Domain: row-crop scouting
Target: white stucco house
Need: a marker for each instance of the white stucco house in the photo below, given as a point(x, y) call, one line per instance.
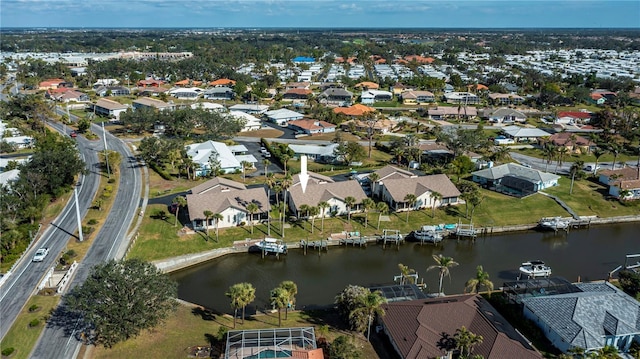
point(282, 116)
point(211, 154)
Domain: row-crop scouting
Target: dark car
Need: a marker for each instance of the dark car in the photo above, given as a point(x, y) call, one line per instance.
point(73, 134)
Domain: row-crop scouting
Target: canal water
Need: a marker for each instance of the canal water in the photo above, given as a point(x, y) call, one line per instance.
point(584, 254)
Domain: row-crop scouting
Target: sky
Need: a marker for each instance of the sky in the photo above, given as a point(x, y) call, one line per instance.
point(321, 13)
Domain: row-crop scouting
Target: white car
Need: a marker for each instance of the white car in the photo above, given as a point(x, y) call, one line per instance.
point(40, 254)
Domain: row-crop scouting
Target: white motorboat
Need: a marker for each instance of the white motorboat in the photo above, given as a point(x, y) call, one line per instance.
point(554, 223)
point(272, 245)
point(534, 269)
point(428, 234)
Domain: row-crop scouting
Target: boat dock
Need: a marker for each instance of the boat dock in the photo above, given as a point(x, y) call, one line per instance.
point(392, 236)
point(321, 245)
point(466, 231)
point(349, 238)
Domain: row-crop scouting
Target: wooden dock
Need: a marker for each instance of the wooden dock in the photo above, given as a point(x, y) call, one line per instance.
point(392, 236)
point(321, 245)
point(466, 231)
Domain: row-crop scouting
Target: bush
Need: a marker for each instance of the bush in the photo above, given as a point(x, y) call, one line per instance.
point(33, 308)
point(71, 253)
point(161, 172)
point(111, 180)
point(92, 222)
point(34, 323)
point(8, 351)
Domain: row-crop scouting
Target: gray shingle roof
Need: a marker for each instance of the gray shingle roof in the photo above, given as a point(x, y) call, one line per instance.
point(316, 193)
point(584, 318)
point(514, 169)
point(399, 188)
point(217, 202)
point(217, 184)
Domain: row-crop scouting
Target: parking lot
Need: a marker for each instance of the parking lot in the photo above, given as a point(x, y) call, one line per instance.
point(254, 149)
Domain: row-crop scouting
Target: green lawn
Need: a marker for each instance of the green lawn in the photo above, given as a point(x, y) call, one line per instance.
point(21, 336)
point(194, 326)
point(501, 210)
point(589, 198)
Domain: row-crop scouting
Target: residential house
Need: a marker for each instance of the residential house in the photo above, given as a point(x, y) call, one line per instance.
point(251, 123)
point(417, 97)
point(385, 173)
point(525, 134)
point(572, 142)
point(221, 93)
point(9, 177)
point(222, 83)
point(380, 125)
point(209, 106)
point(505, 115)
point(448, 88)
point(597, 315)
point(188, 82)
point(355, 110)
point(151, 103)
point(186, 93)
point(227, 198)
point(419, 59)
point(66, 95)
point(253, 109)
point(105, 83)
point(514, 179)
point(635, 95)
point(296, 94)
point(502, 99)
point(394, 191)
point(282, 116)
point(151, 91)
point(373, 96)
point(466, 98)
point(108, 108)
point(624, 183)
point(324, 189)
point(112, 91)
point(601, 97)
point(210, 154)
point(317, 153)
point(399, 88)
point(311, 127)
point(336, 96)
point(573, 117)
point(444, 112)
point(149, 83)
point(424, 328)
point(297, 85)
point(241, 153)
point(51, 84)
point(366, 85)
point(19, 142)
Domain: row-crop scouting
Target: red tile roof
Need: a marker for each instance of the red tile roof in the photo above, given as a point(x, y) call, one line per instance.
point(355, 110)
point(419, 59)
point(574, 114)
point(367, 84)
point(298, 91)
point(222, 82)
point(311, 125)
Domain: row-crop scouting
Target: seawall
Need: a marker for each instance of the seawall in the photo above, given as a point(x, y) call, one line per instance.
point(188, 260)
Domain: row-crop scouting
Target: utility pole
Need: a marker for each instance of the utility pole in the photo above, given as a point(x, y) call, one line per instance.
point(106, 156)
point(75, 194)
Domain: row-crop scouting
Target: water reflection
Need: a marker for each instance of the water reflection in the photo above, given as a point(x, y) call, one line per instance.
point(588, 253)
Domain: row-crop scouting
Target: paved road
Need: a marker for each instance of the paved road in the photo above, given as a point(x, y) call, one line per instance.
point(60, 337)
point(541, 164)
point(26, 275)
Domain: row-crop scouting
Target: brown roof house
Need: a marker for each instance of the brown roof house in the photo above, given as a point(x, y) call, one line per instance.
point(228, 198)
point(624, 183)
point(425, 188)
point(323, 189)
point(387, 173)
point(572, 142)
point(311, 127)
point(424, 329)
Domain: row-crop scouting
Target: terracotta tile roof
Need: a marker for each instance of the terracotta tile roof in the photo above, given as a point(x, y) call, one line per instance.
point(399, 188)
point(217, 184)
point(217, 202)
point(416, 327)
point(51, 82)
point(625, 174)
point(419, 59)
point(299, 91)
point(574, 114)
point(355, 110)
point(150, 82)
point(308, 354)
point(222, 82)
point(367, 84)
point(564, 139)
point(630, 184)
point(478, 87)
point(310, 125)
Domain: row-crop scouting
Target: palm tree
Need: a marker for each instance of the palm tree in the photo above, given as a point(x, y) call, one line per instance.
point(615, 148)
point(575, 170)
point(218, 217)
point(382, 208)
point(411, 200)
point(285, 158)
point(435, 197)
point(373, 179)
point(480, 280)
point(266, 164)
point(465, 340)
point(597, 153)
point(270, 180)
point(292, 290)
point(367, 205)
point(606, 352)
point(406, 274)
point(370, 304)
point(241, 294)
point(252, 208)
point(207, 216)
point(562, 151)
point(245, 166)
point(281, 208)
point(279, 298)
point(313, 212)
point(323, 207)
point(549, 153)
point(349, 202)
point(285, 183)
point(443, 265)
point(179, 202)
